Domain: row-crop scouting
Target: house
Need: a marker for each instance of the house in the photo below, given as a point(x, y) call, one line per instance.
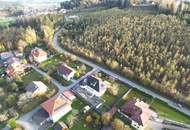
point(37, 88)
point(18, 54)
point(69, 95)
point(16, 68)
point(66, 72)
point(60, 126)
point(57, 107)
point(94, 85)
point(38, 55)
point(12, 60)
point(138, 111)
point(6, 55)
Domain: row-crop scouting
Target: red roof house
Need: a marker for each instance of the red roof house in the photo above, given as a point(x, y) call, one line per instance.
point(38, 55)
point(57, 107)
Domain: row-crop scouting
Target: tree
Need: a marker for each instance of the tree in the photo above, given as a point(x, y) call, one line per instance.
point(48, 33)
point(10, 100)
point(88, 119)
point(29, 36)
point(21, 45)
point(13, 87)
point(106, 118)
point(118, 124)
point(12, 123)
point(113, 90)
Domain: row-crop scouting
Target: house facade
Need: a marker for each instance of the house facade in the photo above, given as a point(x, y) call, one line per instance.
point(6, 55)
point(94, 85)
point(38, 55)
point(66, 72)
point(16, 68)
point(138, 111)
point(36, 88)
point(57, 107)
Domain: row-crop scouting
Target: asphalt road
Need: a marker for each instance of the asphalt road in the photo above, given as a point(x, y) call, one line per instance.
point(26, 119)
point(123, 79)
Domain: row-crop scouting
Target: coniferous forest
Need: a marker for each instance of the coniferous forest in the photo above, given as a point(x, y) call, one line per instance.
point(153, 50)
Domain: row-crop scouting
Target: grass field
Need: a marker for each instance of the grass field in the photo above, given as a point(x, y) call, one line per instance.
point(5, 22)
point(31, 76)
point(165, 111)
point(109, 99)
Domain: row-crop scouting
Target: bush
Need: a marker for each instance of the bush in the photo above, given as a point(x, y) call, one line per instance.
point(106, 118)
point(12, 123)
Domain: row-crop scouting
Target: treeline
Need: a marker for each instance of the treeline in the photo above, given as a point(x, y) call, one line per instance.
point(27, 31)
point(153, 50)
point(162, 6)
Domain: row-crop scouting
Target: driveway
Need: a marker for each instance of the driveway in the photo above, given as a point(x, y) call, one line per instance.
point(27, 122)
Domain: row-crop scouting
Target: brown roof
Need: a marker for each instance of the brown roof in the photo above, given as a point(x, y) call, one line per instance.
point(56, 104)
point(64, 69)
point(137, 111)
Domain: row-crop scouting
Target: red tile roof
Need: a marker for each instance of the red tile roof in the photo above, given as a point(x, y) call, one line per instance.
point(38, 52)
point(56, 104)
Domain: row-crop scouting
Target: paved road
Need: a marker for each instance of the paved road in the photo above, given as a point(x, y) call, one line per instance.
point(158, 126)
point(123, 79)
point(25, 120)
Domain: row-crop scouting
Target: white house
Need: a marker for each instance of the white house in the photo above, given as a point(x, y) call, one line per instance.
point(94, 85)
point(37, 88)
point(38, 55)
point(57, 107)
point(66, 72)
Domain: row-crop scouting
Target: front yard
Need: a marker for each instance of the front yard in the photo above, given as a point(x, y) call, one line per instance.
point(14, 99)
point(50, 66)
point(110, 99)
point(76, 119)
point(162, 109)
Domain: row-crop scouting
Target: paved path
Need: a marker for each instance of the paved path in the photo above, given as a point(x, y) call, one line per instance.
point(158, 126)
point(123, 79)
point(26, 119)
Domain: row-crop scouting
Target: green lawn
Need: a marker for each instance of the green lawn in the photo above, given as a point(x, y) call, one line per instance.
point(109, 99)
point(77, 104)
point(6, 22)
point(138, 94)
point(165, 111)
point(31, 76)
point(50, 63)
point(54, 62)
point(60, 79)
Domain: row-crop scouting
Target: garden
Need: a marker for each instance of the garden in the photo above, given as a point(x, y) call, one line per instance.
point(14, 99)
point(163, 110)
point(50, 66)
point(78, 120)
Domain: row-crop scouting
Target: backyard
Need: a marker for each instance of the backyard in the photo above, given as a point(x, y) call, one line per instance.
point(163, 110)
point(110, 99)
point(50, 66)
point(76, 118)
point(12, 95)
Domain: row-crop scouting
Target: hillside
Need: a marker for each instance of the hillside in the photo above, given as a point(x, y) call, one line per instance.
point(150, 49)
